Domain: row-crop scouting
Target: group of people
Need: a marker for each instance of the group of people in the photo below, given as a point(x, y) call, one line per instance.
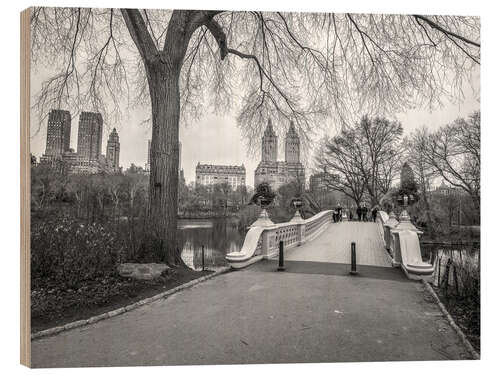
point(337, 214)
point(361, 212)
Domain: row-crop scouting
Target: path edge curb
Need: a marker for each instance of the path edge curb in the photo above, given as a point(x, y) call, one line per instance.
point(94, 319)
point(458, 330)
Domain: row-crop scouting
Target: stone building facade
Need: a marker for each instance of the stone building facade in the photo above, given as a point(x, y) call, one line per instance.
point(90, 135)
point(113, 150)
point(58, 132)
point(317, 182)
point(82, 165)
point(210, 174)
point(278, 173)
point(447, 190)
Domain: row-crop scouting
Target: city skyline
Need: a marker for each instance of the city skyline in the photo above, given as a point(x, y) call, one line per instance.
point(134, 139)
point(88, 157)
point(199, 135)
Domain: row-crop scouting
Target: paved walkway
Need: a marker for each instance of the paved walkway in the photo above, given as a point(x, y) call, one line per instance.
point(334, 245)
point(312, 312)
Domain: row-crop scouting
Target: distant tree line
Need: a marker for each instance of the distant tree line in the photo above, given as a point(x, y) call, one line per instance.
point(452, 154)
point(218, 200)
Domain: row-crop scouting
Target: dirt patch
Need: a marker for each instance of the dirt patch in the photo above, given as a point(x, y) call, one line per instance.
point(53, 306)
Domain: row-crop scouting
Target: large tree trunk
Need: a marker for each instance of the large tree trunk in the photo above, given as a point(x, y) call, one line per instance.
point(163, 73)
point(163, 69)
point(164, 174)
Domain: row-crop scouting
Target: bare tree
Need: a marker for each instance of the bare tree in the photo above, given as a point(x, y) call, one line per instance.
point(454, 153)
point(415, 146)
point(379, 140)
point(78, 189)
point(283, 65)
point(363, 158)
point(114, 188)
point(341, 159)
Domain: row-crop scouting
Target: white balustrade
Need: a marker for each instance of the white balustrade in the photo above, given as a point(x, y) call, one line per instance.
point(401, 239)
point(262, 242)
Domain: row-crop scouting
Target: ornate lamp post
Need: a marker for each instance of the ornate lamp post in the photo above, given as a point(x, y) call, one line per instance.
point(263, 197)
point(407, 195)
point(297, 204)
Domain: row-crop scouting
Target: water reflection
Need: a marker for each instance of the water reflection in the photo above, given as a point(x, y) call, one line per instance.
point(218, 236)
point(455, 251)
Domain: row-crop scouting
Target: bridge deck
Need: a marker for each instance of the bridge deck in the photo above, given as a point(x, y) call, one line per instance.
point(334, 245)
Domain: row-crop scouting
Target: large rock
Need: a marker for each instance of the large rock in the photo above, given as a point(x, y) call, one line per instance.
point(141, 271)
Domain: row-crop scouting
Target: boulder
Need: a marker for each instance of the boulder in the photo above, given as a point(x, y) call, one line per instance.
point(141, 271)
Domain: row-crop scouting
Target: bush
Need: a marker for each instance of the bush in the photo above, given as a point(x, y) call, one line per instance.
point(68, 252)
point(460, 290)
point(468, 276)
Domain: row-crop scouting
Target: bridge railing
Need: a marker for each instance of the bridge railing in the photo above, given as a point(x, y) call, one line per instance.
point(262, 242)
point(402, 243)
point(385, 225)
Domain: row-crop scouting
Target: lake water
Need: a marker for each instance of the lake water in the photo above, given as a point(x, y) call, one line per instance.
point(221, 236)
point(469, 251)
point(218, 237)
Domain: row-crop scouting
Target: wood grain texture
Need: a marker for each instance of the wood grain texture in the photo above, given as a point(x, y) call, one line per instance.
point(25, 188)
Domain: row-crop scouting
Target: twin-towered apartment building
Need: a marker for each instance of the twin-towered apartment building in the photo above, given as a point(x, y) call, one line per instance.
point(270, 170)
point(88, 157)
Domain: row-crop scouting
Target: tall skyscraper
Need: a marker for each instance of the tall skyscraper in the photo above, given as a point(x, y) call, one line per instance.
point(113, 150)
point(90, 135)
point(269, 144)
point(292, 145)
point(58, 132)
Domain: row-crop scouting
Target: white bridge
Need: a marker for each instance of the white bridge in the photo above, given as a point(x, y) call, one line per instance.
point(262, 242)
point(384, 243)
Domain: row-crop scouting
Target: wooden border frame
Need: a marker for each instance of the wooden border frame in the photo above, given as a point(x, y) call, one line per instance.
point(25, 169)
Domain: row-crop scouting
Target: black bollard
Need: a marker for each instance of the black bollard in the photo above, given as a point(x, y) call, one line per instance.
point(353, 259)
point(203, 257)
point(281, 260)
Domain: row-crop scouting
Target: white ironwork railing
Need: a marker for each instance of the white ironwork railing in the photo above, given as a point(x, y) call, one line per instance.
point(263, 241)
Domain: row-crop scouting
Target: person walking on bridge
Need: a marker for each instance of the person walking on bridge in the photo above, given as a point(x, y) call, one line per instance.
point(359, 212)
point(374, 213)
point(364, 212)
point(339, 212)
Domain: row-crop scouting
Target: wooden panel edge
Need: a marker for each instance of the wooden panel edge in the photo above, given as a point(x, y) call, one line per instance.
point(25, 169)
